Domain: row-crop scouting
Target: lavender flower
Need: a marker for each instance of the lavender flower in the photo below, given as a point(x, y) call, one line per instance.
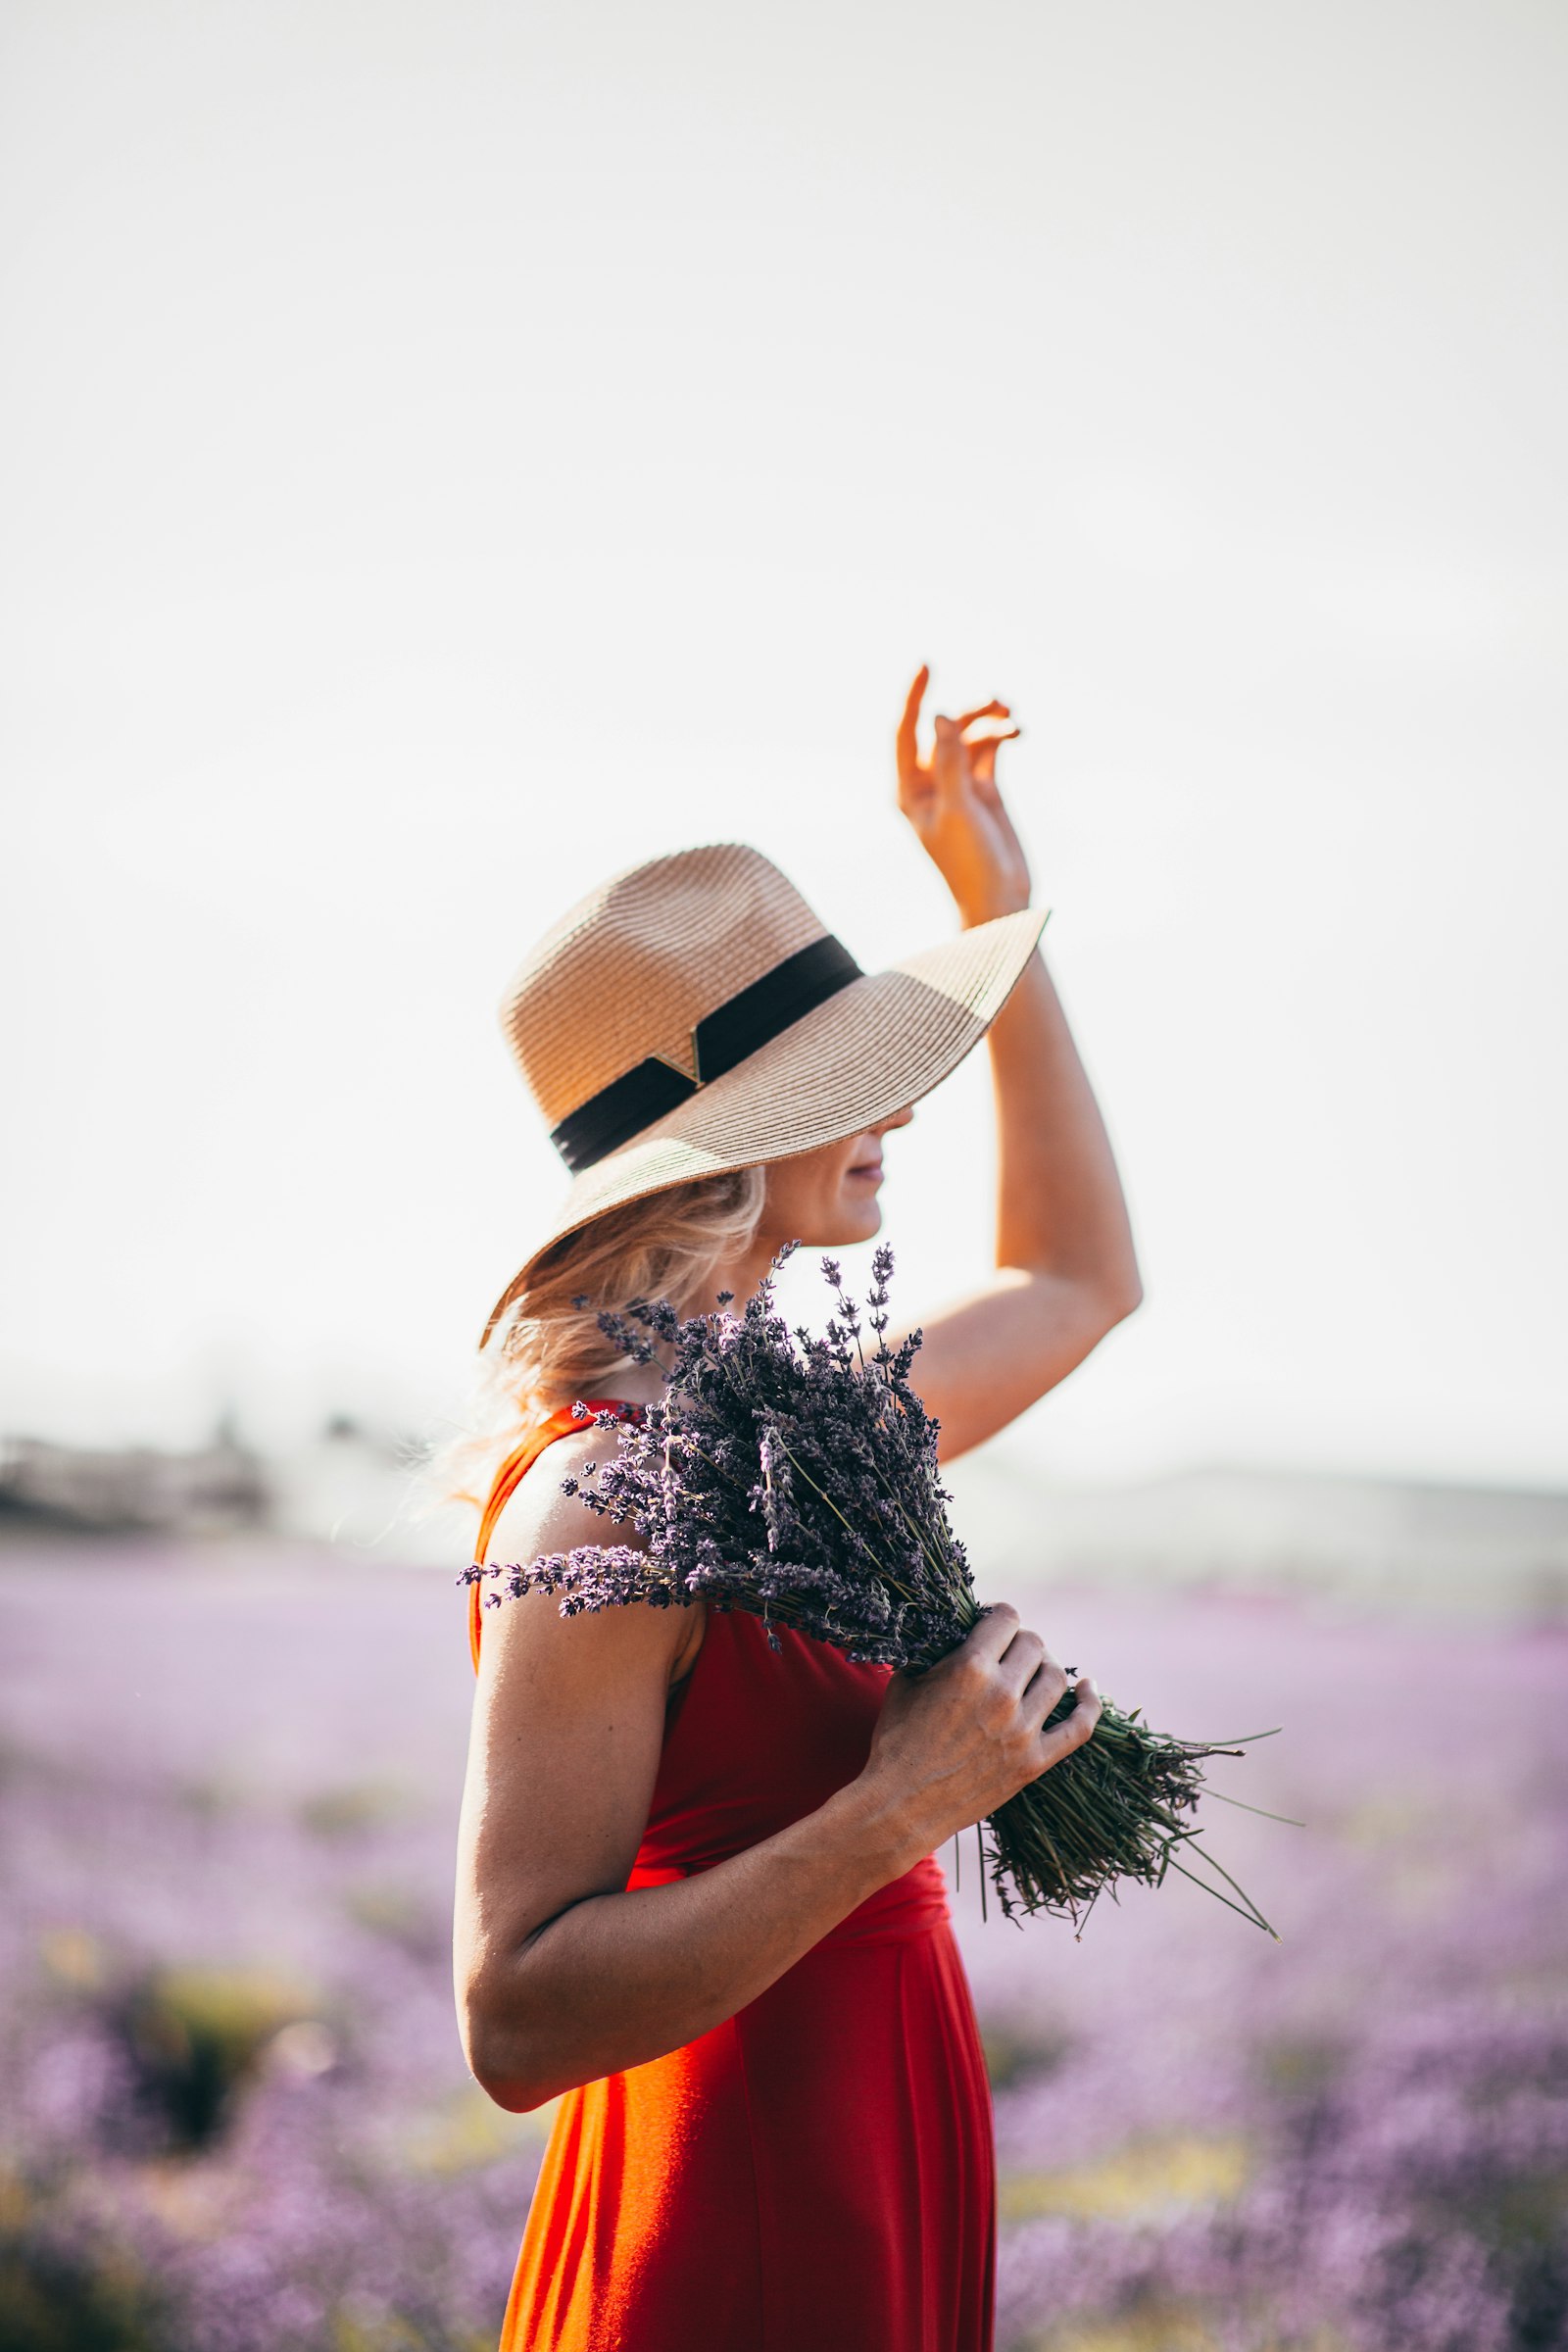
point(796, 1478)
point(1358, 2138)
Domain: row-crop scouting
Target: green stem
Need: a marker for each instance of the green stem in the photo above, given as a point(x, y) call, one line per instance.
point(1204, 1856)
point(1256, 1917)
point(1289, 1818)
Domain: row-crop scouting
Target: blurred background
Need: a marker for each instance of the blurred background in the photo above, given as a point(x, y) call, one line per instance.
point(451, 454)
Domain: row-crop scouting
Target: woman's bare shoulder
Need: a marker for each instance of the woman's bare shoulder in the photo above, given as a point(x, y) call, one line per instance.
point(538, 1523)
point(540, 1519)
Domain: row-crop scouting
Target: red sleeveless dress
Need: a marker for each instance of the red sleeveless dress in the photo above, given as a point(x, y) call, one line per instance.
point(817, 2175)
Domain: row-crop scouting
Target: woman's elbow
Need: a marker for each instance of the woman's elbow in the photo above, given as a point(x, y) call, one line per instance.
point(1122, 1299)
point(1105, 1299)
point(501, 2052)
point(516, 2098)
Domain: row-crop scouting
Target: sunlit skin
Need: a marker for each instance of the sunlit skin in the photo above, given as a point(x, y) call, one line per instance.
point(561, 1976)
point(830, 1197)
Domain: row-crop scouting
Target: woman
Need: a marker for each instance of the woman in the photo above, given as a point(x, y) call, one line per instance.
point(697, 1902)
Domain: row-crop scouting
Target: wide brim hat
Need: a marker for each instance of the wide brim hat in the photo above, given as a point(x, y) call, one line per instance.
point(693, 1016)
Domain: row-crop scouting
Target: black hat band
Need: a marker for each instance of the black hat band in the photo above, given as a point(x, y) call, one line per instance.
point(721, 1039)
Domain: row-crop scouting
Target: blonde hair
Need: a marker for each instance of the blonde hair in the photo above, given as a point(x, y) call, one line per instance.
point(547, 1350)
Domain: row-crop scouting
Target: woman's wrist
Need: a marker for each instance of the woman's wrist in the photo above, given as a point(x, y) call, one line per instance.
point(884, 1823)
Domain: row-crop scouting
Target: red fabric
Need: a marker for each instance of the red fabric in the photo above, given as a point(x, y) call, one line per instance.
point(817, 2175)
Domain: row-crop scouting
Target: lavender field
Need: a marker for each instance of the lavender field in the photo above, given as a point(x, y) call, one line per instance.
point(234, 2117)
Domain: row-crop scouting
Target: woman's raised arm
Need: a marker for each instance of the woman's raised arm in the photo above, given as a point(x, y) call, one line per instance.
point(1066, 1269)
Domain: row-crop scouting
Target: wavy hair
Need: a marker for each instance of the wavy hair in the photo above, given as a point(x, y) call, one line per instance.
point(547, 1350)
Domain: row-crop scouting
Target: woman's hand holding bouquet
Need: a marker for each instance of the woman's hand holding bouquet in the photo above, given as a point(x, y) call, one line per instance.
point(956, 1743)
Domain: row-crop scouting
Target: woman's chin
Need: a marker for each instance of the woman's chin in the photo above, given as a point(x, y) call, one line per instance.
point(857, 1221)
point(850, 1222)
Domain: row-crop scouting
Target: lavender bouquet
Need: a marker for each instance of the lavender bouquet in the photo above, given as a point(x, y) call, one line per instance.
point(796, 1478)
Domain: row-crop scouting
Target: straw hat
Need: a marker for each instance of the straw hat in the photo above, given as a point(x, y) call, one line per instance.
point(693, 1016)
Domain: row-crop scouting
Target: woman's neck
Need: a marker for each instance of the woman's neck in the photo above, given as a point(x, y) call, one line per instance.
point(743, 1276)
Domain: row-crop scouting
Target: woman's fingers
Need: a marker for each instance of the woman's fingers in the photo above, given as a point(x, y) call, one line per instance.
point(970, 1733)
point(983, 755)
point(950, 760)
point(1074, 1730)
point(1024, 1660)
point(999, 1622)
point(991, 710)
point(953, 756)
point(1019, 1657)
point(1043, 1689)
point(908, 735)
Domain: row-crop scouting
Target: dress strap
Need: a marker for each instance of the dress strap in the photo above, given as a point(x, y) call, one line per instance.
point(509, 1477)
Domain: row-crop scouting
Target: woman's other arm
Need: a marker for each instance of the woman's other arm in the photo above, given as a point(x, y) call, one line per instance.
point(1066, 1269)
point(562, 1975)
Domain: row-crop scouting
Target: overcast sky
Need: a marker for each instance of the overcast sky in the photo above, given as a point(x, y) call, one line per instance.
point(451, 452)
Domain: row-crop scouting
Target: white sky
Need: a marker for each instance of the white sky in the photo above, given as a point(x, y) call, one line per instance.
point(450, 452)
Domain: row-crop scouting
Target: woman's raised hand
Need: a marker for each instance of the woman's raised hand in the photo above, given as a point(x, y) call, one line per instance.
point(952, 800)
point(956, 1742)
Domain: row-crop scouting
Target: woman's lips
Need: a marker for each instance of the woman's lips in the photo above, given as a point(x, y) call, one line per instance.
point(869, 1171)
